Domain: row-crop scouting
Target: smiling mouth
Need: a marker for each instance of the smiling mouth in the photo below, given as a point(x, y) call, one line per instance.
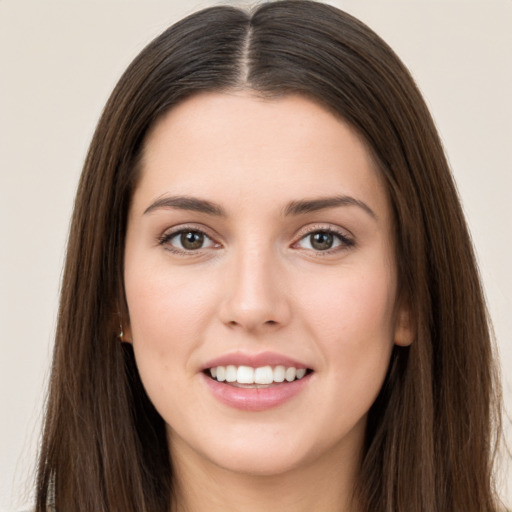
point(263, 376)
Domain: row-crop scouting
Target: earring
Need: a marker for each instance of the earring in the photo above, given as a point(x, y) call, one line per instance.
point(121, 332)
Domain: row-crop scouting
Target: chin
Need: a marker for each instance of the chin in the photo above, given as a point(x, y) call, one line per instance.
point(262, 464)
point(247, 451)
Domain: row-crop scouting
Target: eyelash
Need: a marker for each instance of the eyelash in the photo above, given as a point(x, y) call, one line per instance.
point(345, 241)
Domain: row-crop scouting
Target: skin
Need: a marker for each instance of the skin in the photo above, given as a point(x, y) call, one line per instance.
point(258, 284)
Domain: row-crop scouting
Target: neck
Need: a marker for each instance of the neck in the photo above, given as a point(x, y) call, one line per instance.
point(321, 485)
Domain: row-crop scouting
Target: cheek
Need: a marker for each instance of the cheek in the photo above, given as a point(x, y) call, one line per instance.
point(168, 309)
point(169, 315)
point(352, 320)
point(350, 306)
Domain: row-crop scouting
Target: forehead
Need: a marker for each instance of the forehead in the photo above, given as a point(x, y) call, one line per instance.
point(237, 145)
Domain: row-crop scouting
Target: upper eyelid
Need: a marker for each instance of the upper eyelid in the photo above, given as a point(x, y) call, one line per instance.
point(172, 231)
point(305, 231)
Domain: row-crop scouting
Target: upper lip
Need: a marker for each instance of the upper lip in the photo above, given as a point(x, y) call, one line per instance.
point(254, 360)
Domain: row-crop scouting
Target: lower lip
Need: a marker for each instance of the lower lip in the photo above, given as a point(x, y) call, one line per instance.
point(255, 399)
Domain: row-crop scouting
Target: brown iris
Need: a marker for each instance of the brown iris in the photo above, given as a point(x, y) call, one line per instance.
point(321, 240)
point(192, 240)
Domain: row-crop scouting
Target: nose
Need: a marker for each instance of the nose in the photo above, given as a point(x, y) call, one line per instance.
point(256, 296)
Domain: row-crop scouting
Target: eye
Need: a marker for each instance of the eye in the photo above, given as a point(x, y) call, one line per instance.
point(324, 240)
point(187, 240)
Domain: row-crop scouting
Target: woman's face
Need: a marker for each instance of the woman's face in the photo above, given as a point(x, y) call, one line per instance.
point(260, 241)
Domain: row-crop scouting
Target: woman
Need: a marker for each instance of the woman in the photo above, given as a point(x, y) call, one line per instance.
point(270, 298)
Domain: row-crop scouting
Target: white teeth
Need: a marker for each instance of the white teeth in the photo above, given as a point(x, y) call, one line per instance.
point(221, 373)
point(290, 374)
point(260, 375)
point(263, 375)
point(230, 373)
point(245, 375)
point(279, 373)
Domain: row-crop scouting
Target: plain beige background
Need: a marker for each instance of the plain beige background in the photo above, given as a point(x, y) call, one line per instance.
point(60, 60)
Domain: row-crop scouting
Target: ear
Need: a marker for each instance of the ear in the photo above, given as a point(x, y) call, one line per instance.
point(125, 330)
point(405, 331)
point(125, 334)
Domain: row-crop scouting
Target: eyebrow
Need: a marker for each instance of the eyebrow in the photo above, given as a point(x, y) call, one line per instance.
point(322, 203)
point(292, 209)
point(187, 203)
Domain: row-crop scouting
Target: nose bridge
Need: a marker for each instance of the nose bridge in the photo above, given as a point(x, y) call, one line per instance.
point(256, 294)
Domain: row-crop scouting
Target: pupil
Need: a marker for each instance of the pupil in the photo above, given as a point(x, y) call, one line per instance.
point(321, 241)
point(192, 240)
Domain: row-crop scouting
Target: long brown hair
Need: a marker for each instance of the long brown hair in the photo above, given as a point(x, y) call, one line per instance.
point(430, 433)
